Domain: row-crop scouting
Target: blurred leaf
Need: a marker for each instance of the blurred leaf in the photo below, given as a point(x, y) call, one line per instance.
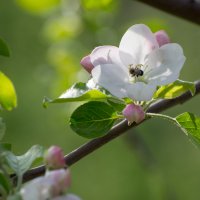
point(8, 98)
point(5, 183)
point(38, 6)
point(190, 124)
point(2, 128)
point(156, 24)
point(174, 89)
point(93, 119)
point(4, 51)
point(63, 27)
point(20, 164)
point(5, 147)
point(97, 5)
point(78, 92)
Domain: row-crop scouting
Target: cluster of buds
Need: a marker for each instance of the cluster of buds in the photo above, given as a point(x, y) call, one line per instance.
point(54, 184)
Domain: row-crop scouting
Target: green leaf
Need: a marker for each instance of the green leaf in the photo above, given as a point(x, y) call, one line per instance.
point(93, 119)
point(98, 5)
point(20, 164)
point(2, 128)
point(190, 124)
point(4, 51)
point(117, 105)
point(78, 92)
point(8, 98)
point(174, 89)
point(5, 183)
point(38, 6)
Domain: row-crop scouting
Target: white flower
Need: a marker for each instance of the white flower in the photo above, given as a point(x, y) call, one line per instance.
point(138, 66)
point(53, 184)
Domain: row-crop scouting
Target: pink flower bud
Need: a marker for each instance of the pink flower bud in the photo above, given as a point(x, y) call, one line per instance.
point(162, 38)
point(54, 158)
point(87, 64)
point(133, 113)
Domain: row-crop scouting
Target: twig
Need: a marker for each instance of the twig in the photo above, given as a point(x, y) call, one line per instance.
point(116, 131)
point(187, 9)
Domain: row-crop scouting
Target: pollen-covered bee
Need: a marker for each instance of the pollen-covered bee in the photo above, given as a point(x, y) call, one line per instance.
point(135, 70)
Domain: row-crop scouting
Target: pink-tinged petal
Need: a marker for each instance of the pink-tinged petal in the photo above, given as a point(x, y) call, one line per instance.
point(112, 77)
point(162, 37)
point(164, 64)
point(60, 180)
point(140, 91)
point(137, 42)
point(54, 183)
point(133, 113)
point(105, 55)
point(87, 64)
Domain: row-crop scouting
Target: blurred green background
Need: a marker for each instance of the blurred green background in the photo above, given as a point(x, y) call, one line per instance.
point(47, 39)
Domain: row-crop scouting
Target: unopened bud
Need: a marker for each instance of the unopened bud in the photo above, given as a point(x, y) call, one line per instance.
point(162, 38)
point(133, 113)
point(54, 158)
point(87, 64)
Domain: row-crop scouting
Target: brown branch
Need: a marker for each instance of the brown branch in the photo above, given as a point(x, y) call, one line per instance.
point(187, 9)
point(116, 131)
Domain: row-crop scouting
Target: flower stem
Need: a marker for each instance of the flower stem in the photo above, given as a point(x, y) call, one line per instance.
point(19, 182)
point(148, 104)
point(161, 116)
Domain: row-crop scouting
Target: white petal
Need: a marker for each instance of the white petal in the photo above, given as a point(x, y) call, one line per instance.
point(164, 64)
point(137, 42)
point(112, 78)
point(38, 188)
point(140, 91)
point(91, 84)
point(105, 55)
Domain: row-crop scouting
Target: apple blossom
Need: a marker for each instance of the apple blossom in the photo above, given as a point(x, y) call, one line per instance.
point(99, 54)
point(138, 66)
point(133, 113)
point(53, 184)
point(54, 158)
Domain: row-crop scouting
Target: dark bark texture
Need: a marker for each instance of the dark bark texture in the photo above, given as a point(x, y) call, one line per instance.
point(186, 9)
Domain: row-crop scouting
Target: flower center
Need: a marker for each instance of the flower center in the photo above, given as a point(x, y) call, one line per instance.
point(135, 71)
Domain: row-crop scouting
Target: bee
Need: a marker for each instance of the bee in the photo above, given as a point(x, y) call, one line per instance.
point(135, 70)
